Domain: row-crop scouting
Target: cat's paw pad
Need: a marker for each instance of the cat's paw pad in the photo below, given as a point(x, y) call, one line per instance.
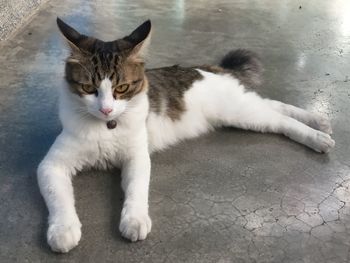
point(323, 124)
point(324, 142)
point(134, 226)
point(63, 238)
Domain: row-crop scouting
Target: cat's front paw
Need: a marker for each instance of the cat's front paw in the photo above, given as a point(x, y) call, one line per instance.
point(63, 238)
point(135, 225)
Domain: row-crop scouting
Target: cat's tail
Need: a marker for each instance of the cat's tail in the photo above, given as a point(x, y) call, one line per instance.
point(245, 65)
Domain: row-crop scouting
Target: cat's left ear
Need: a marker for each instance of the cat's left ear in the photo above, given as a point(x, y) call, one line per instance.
point(78, 42)
point(140, 39)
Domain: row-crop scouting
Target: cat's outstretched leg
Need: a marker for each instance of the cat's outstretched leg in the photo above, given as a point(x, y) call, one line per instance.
point(314, 120)
point(264, 119)
point(54, 178)
point(135, 223)
point(299, 132)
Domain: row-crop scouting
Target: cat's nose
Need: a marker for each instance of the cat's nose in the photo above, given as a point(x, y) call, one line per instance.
point(106, 111)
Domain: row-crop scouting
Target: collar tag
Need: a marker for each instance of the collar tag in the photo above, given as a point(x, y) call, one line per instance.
point(111, 124)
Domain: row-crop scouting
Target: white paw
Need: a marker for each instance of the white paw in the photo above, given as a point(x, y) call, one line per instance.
point(63, 238)
point(323, 124)
point(135, 226)
point(323, 142)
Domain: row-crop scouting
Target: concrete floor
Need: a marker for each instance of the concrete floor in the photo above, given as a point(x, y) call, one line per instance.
point(15, 13)
point(229, 196)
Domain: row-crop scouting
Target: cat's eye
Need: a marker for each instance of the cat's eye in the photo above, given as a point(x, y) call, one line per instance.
point(122, 88)
point(89, 89)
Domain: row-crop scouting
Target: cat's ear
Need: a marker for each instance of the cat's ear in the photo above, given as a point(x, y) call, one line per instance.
point(76, 41)
point(140, 39)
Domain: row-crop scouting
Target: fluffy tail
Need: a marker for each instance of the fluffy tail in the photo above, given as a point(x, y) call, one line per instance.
point(245, 65)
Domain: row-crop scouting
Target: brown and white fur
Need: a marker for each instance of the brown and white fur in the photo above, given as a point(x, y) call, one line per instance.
point(153, 109)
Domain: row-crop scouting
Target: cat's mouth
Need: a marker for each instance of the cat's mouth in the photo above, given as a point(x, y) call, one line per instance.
point(102, 117)
point(110, 119)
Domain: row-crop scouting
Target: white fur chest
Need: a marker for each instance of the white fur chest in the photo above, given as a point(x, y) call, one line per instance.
point(111, 147)
point(97, 145)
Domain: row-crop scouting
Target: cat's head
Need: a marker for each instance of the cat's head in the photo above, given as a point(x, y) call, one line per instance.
point(105, 76)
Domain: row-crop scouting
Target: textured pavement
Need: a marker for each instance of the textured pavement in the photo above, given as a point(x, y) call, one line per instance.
point(15, 13)
point(229, 196)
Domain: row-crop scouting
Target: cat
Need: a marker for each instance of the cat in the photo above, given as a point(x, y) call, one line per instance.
point(115, 113)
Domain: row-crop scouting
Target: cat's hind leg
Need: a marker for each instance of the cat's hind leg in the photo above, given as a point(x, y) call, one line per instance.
point(314, 120)
point(258, 116)
point(229, 104)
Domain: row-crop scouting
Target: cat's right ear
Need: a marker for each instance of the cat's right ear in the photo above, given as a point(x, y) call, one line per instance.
point(72, 36)
point(140, 39)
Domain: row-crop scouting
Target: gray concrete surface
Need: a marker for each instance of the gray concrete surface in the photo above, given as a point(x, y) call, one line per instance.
point(229, 196)
point(14, 13)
